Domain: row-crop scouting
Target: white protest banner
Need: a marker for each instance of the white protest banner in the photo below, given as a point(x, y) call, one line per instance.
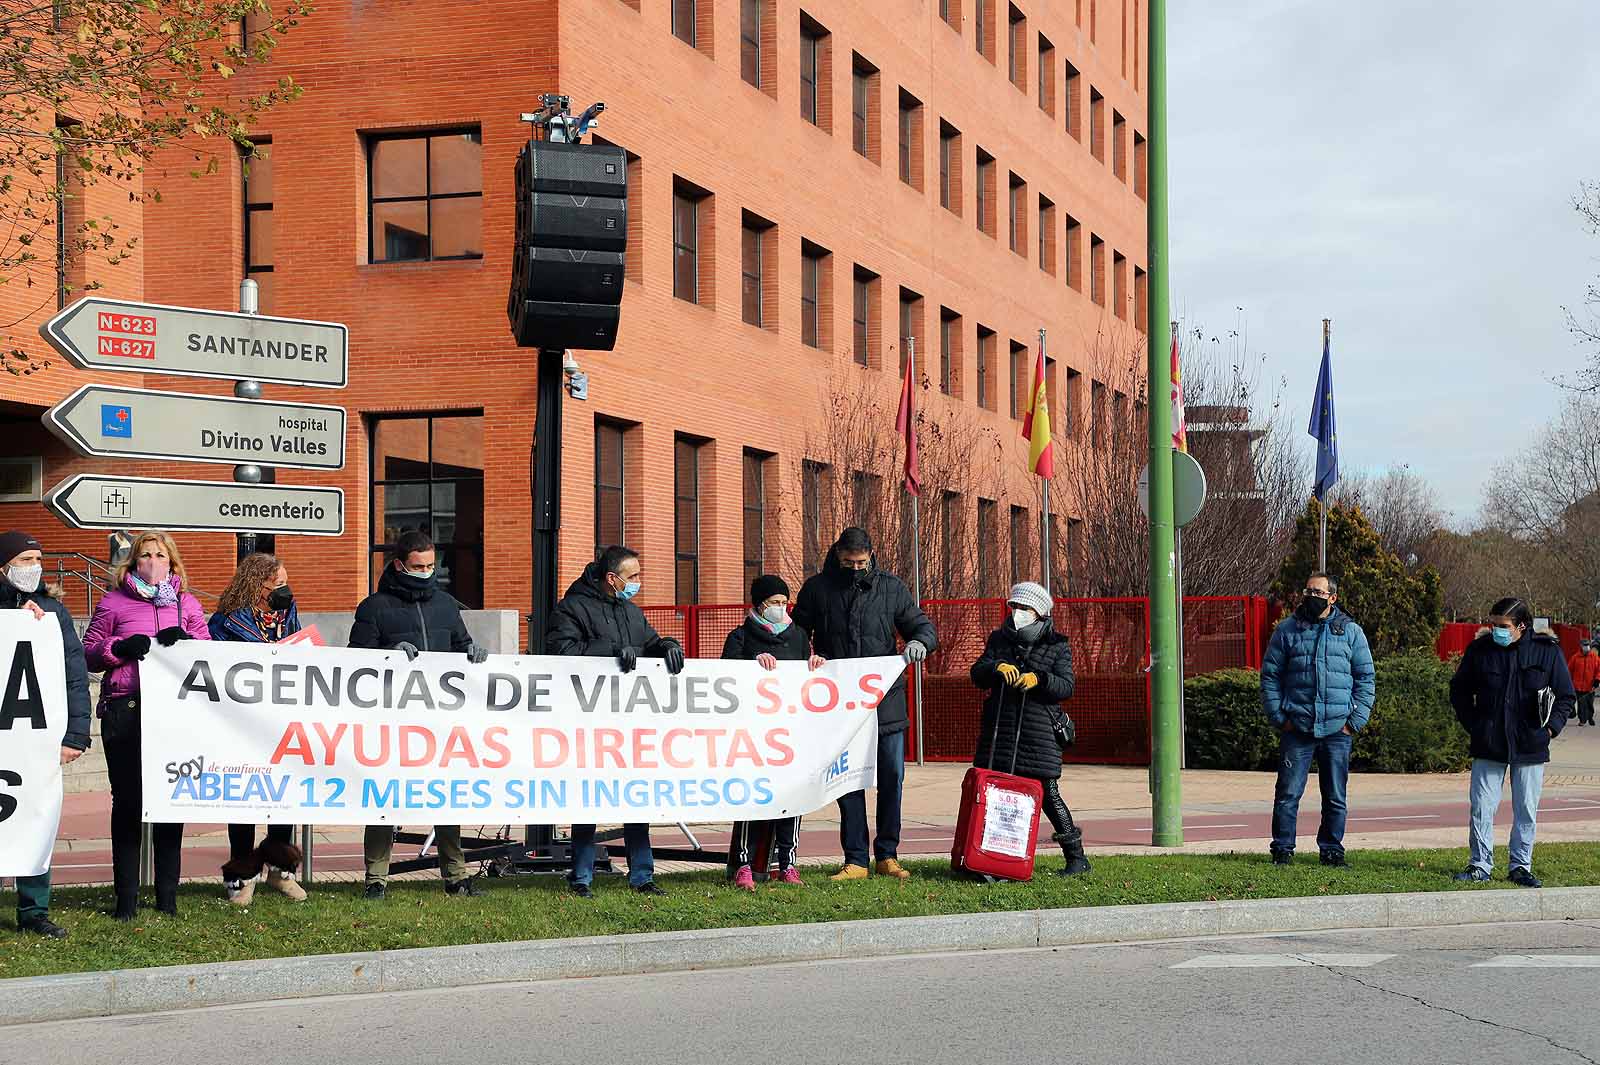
point(284, 733)
point(33, 721)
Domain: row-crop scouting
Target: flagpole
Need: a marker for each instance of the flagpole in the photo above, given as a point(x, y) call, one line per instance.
point(1044, 488)
point(1322, 504)
point(916, 552)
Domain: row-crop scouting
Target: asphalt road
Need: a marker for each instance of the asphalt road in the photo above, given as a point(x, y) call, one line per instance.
point(1515, 992)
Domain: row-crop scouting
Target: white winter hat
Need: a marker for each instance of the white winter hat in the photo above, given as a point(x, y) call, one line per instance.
point(1033, 596)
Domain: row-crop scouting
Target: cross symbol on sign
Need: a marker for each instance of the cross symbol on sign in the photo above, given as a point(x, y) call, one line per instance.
point(116, 500)
point(122, 414)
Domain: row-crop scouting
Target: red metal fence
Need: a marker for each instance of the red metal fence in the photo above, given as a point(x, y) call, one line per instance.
point(1110, 648)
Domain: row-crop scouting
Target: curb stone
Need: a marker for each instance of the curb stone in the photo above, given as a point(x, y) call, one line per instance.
point(126, 991)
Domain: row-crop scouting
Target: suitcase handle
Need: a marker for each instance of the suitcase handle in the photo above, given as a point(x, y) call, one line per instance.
point(1016, 741)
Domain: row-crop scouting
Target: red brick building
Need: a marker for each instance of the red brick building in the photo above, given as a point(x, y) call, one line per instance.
point(809, 182)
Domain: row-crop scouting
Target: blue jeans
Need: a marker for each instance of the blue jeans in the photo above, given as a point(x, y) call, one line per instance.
point(1527, 781)
point(1333, 770)
point(853, 807)
point(636, 838)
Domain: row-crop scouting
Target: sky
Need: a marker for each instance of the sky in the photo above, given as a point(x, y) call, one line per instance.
point(1406, 168)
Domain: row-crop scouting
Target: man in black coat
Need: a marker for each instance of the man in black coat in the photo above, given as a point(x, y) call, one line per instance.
point(410, 614)
point(854, 610)
point(598, 618)
point(21, 579)
point(1496, 696)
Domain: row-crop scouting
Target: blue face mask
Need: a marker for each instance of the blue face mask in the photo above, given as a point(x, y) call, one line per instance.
point(629, 590)
point(1501, 636)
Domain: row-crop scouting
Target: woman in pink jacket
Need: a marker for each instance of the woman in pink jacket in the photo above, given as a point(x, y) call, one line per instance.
point(147, 604)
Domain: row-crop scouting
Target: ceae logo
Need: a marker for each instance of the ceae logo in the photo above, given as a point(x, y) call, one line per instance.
point(192, 768)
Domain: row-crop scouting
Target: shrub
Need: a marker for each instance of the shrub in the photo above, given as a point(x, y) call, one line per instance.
point(1412, 728)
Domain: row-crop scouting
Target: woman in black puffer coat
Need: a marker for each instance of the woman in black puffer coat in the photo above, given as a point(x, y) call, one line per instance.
point(1027, 668)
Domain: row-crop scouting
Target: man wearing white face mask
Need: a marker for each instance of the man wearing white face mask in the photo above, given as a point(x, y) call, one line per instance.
point(20, 589)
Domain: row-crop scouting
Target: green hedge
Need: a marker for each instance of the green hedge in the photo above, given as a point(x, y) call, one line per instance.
point(1412, 729)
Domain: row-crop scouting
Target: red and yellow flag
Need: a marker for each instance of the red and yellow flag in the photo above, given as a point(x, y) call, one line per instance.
point(1036, 425)
point(1180, 429)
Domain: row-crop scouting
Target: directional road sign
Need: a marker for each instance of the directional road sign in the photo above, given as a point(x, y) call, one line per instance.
point(134, 423)
point(103, 501)
point(104, 334)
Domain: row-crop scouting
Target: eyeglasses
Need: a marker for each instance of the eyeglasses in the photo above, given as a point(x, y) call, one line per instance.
point(1317, 591)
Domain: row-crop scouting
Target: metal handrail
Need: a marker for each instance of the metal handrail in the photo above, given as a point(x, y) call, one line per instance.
point(98, 577)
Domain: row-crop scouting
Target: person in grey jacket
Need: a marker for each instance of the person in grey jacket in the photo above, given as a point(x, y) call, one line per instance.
point(21, 588)
point(1317, 690)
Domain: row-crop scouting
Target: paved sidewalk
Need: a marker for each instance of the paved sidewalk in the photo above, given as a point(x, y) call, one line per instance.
point(1222, 812)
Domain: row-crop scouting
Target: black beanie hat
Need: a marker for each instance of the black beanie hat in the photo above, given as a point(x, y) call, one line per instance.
point(15, 543)
point(765, 587)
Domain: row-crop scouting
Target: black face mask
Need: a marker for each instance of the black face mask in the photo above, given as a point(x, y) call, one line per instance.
point(1312, 607)
point(280, 599)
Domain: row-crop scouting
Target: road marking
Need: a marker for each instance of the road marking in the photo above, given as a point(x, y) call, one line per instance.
point(1398, 817)
point(1197, 828)
point(1541, 961)
point(1282, 961)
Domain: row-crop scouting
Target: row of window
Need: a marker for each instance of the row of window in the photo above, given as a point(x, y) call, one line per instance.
point(612, 477)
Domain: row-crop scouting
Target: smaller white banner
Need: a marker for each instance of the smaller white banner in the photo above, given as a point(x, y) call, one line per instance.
point(33, 721)
point(1007, 821)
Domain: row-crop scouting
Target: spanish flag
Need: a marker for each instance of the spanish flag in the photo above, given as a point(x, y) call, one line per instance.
point(1036, 425)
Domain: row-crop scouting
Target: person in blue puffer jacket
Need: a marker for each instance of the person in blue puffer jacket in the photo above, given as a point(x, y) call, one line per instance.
point(1317, 690)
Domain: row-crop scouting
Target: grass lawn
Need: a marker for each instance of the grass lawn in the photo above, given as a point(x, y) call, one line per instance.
point(418, 914)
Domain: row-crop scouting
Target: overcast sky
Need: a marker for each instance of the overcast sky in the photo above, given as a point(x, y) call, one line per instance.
point(1406, 168)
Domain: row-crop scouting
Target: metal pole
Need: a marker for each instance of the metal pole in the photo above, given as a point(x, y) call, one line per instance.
point(1166, 736)
point(1322, 504)
point(1044, 491)
point(249, 303)
point(307, 836)
point(916, 555)
point(547, 435)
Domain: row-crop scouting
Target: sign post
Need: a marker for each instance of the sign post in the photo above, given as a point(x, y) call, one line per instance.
point(107, 501)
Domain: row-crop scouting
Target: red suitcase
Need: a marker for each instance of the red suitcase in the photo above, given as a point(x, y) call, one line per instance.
point(997, 827)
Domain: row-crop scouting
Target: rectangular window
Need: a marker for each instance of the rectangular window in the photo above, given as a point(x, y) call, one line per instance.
point(425, 196)
point(980, 19)
point(755, 514)
point(251, 27)
point(1097, 270)
point(1017, 47)
point(1021, 545)
point(1119, 285)
point(1072, 102)
point(988, 541)
point(425, 473)
point(911, 329)
point(865, 128)
point(1141, 175)
point(986, 193)
point(949, 167)
point(950, 11)
point(258, 233)
point(1119, 146)
point(1119, 414)
point(1097, 124)
point(1047, 76)
point(685, 21)
point(865, 490)
point(816, 482)
point(1072, 408)
point(1074, 254)
point(1016, 369)
point(911, 140)
point(816, 292)
point(949, 351)
point(610, 506)
point(1141, 300)
point(686, 518)
point(867, 332)
point(1097, 414)
point(816, 73)
point(751, 19)
point(949, 530)
point(1077, 560)
point(758, 282)
point(1019, 215)
point(685, 245)
point(986, 357)
point(1047, 235)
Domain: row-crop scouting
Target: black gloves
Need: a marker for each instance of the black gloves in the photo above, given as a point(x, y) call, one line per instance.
point(628, 659)
point(672, 654)
point(131, 648)
point(170, 635)
point(408, 649)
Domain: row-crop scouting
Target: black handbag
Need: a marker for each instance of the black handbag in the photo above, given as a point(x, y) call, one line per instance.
point(1062, 728)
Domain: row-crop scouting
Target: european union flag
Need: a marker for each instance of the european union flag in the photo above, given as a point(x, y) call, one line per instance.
point(1322, 427)
point(116, 420)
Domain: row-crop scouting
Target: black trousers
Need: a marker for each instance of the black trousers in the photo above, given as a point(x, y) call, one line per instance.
point(1055, 808)
point(242, 838)
point(785, 832)
point(119, 732)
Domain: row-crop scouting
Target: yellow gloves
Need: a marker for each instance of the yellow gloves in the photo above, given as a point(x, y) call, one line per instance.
point(1027, 682)
point(1008, 673)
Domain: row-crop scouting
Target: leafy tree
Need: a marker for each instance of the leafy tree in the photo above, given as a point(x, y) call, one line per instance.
point(1397, 608)
point(90, 91)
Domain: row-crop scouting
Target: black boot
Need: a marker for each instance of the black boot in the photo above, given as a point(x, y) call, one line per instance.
point(1072, 850)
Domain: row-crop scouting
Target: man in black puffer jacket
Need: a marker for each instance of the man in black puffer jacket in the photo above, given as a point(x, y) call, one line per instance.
point(768, 636)
point(598, 618)
point(408, 613)
point(21, 588)
point(1027, 668)
point(852, 609)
